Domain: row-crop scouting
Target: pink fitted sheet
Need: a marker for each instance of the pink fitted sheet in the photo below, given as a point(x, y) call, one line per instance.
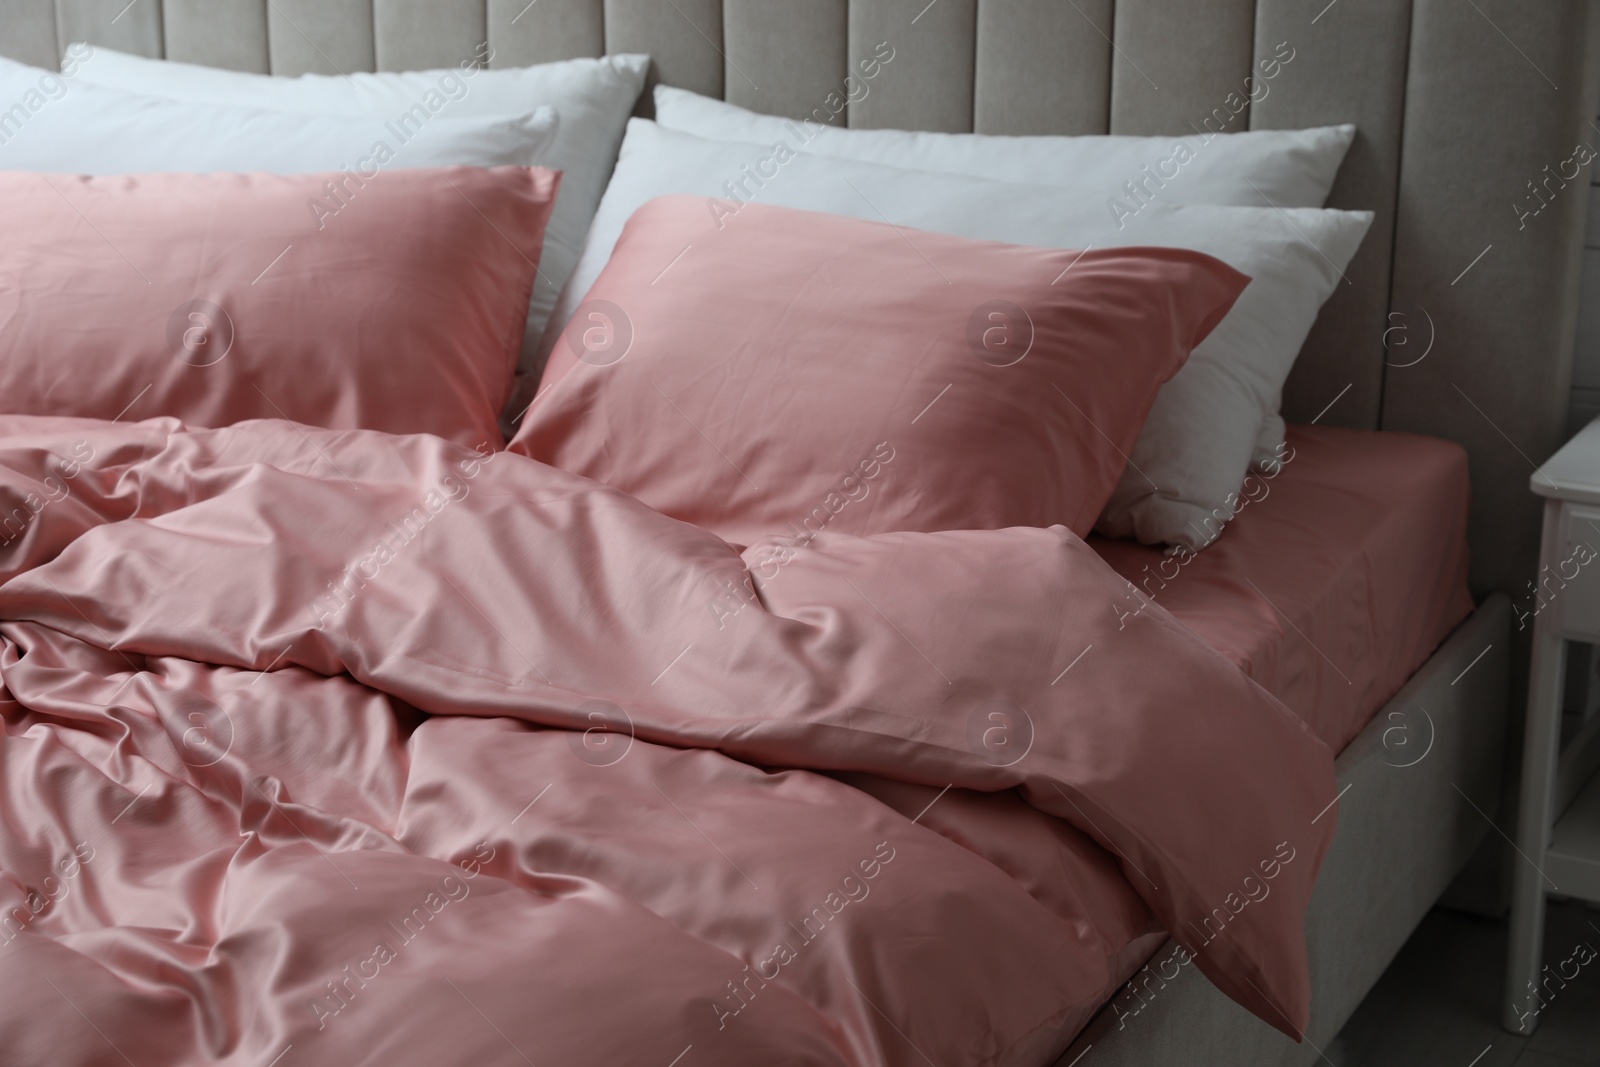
point(1337, 582)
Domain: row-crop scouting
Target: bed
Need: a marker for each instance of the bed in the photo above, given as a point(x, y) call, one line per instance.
point(1369, 591)
point(1314, 634)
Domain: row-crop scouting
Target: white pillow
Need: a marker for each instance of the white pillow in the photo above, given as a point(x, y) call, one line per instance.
point(594, 98)
point(59, 124)
point(1255, 168)
point(1195, 449)
point(1290, 168)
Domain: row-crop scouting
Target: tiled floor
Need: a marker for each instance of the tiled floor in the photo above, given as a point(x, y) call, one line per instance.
point(1438, 1005)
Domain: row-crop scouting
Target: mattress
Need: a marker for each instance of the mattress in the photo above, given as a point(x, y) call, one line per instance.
point(1337, 578)
point(1333, 584)
point(1330, 589)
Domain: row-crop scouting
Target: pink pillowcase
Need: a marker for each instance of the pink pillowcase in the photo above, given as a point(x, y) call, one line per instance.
point(790, 372)
point(214, 298)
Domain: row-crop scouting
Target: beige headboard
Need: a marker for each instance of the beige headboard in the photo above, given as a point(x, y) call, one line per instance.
point(1461, 104)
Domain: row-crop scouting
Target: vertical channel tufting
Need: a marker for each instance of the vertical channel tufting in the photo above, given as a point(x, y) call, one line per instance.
point(128, 27)
point(1043, 67)
point(28, 32)
point(321, 36)
point(428, 34)
point(794, 54)
point(684, 38)
point(1347, 66)
point(218, 33)
point(525, 32)
point(1489, 256)
point(1176, 64)
point(927, 85)
point(1474, 248)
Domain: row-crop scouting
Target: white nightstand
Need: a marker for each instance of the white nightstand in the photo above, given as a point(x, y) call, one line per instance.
point(1558, 823)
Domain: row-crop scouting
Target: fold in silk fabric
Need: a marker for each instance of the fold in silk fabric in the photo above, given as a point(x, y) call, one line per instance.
point(344, 748)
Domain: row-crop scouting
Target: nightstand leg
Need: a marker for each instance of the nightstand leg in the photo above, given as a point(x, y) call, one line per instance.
point(1542, 738)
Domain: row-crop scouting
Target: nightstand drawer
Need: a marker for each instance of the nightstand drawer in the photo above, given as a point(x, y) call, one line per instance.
point(1570, 584)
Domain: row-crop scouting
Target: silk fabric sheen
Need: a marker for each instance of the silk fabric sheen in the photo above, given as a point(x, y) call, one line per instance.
point(1337, 578)
point(385, 751)
point(761, 370)
point(394, 302)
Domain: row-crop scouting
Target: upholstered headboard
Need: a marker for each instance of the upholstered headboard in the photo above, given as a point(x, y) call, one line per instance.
point(1466, 108)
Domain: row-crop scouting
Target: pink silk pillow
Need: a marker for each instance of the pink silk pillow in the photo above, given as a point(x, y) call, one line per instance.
point(216, 298)
point(774, 371)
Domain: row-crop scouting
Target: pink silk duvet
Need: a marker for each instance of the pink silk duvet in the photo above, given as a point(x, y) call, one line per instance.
point(344, 748)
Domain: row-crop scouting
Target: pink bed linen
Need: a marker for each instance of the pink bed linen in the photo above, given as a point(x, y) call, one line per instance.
point(348, 748)
point(1337, 582)
point(393, 303)
point(785, 371)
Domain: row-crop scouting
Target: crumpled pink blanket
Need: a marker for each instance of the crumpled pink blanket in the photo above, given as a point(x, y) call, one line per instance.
point(344, 748)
